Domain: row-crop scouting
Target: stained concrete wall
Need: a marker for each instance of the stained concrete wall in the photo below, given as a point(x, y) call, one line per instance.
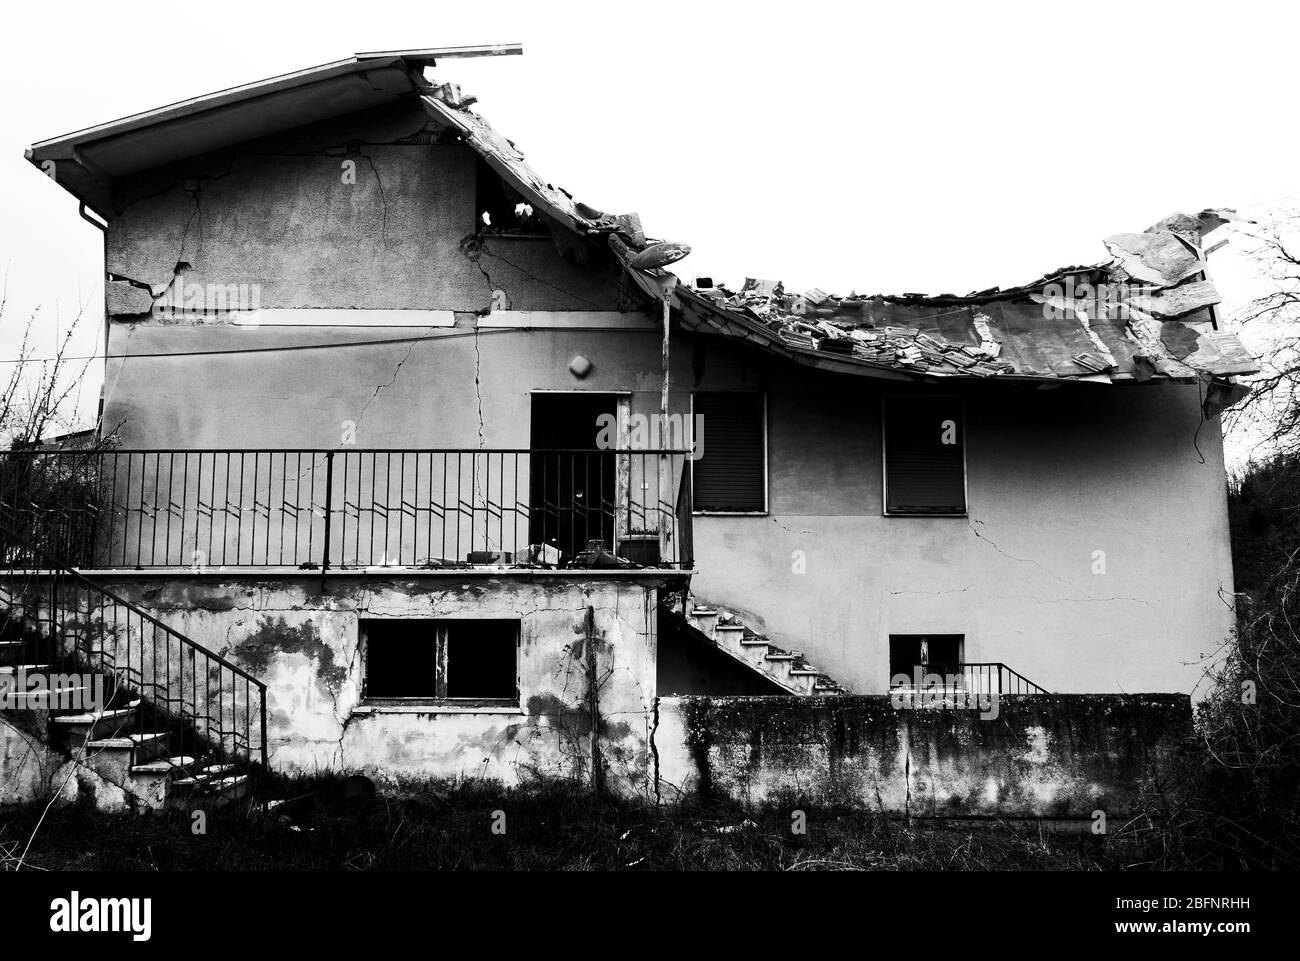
point(304, 644)
point(365, 211)
point(1054, 476)
point(1063, 756)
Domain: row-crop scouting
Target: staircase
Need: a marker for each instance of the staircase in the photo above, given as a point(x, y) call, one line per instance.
point(148, 718)
point(788, 669)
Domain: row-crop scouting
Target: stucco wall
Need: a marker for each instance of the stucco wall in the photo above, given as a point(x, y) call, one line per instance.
point(1063, 756)
point(1054, 476)
point(366, 211)
point(1095, 557)
point(304, 644)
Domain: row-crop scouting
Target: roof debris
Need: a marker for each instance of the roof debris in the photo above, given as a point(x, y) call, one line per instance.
point(1145, 314)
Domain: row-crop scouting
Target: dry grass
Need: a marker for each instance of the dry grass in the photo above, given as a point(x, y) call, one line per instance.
point(449, 827)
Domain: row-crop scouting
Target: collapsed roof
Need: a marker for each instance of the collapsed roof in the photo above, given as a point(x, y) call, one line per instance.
point(1146, 314)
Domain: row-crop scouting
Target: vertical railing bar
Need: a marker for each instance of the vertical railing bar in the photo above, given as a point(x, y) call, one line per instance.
point(329, 500)
point(167, 535)
point(239, 517)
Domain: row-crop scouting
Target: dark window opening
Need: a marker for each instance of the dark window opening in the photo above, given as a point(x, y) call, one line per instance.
point(730, 474)
point(499, 209)
point(925, 456)
point(927, 653)
point(573, 494)
point(442, 659)
point(481, 659)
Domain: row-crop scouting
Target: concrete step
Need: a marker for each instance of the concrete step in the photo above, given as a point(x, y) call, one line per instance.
point(152, 780)
point(216, 784)
point(172, 764)
point(51, 698)
point(114, 722)
point(788, 669)
point(113, 757)
point(226, 789)
point(201, 779)
point(145, 745)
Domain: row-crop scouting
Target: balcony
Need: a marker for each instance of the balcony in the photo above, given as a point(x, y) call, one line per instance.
point(334, 510)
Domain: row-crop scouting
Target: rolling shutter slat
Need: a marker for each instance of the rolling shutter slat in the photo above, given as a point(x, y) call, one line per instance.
point(729, 477)
point(924, 475)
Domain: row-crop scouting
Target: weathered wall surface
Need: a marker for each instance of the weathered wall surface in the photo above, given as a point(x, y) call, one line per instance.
point(1061, 756)
point(1056, 478)
point(370, 211)
point(1095, 557)
point(304, 644)
point(33, 770)
point(28, 764)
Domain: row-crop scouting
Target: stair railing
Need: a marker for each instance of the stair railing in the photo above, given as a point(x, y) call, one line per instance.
point(213, 709)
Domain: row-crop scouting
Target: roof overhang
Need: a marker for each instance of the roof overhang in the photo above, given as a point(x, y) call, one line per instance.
point(86, 162)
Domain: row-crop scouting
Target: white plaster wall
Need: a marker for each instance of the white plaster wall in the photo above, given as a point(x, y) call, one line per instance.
point(304, 644)
point(1053, 476)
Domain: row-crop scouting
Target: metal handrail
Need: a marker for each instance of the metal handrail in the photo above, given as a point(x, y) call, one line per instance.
point(330, 509)
point(971, 676)
point(52, 569)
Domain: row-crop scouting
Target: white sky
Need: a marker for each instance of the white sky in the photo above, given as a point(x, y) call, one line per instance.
point(939, 147)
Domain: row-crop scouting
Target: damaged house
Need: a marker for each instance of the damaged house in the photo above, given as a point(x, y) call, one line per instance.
point(411, 464)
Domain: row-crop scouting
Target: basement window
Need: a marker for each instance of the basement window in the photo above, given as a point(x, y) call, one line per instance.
point(911, 655)
point(466, 662)
point(925, 455)
point(730, 474)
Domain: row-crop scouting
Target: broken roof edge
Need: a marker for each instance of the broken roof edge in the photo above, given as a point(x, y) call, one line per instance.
point(446, 106)
point(894, 353)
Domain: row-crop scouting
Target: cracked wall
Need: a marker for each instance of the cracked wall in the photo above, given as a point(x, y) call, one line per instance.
point(283, 213)
point(1058, 756)
point(304, 644)
point(1053, 475)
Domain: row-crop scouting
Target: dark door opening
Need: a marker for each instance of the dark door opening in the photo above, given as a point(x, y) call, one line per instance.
point(573, 496)
point(924, 655)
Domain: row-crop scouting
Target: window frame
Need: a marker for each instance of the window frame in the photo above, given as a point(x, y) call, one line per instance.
point(961, 640)
point(441, 630)
point(884, 458)
point(767, 501)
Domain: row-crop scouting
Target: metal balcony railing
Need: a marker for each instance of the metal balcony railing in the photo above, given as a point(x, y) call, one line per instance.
point(338, 509)
point(970, 678)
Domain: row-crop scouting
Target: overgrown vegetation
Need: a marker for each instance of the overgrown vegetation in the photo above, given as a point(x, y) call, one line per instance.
point(555, 826)
point(50, 501)
point(1235, 802)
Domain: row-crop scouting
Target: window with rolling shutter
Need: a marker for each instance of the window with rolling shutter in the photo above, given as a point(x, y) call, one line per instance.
point(925, 455)
point(731, 474)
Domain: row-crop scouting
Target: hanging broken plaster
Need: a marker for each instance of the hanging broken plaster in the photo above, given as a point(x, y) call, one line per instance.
point(988, 346)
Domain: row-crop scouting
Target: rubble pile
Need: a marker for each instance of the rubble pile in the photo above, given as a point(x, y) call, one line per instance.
point(816, 320)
